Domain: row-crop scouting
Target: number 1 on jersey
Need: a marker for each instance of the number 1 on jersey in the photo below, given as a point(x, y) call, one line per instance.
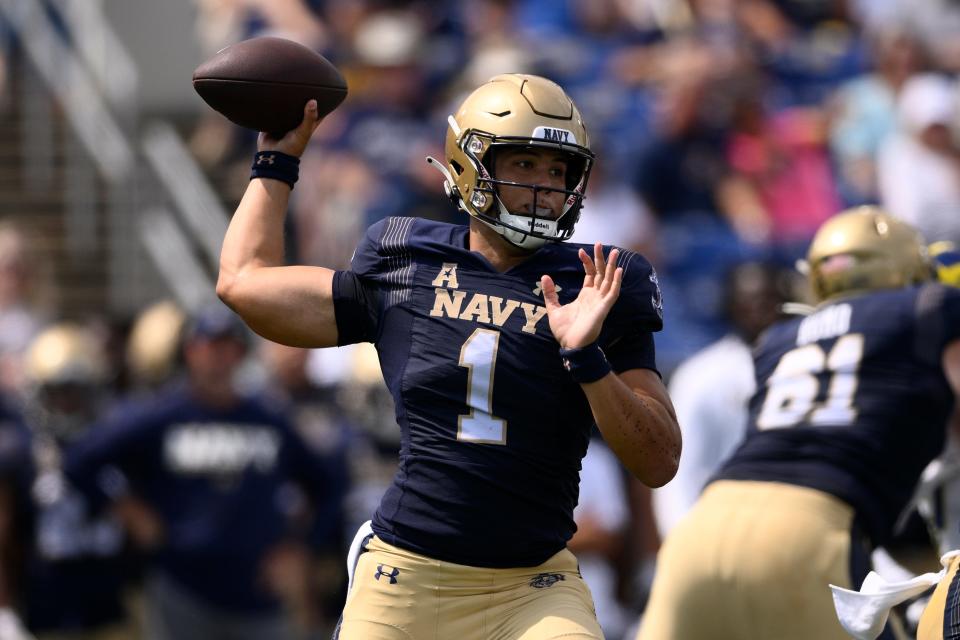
point(479, 356)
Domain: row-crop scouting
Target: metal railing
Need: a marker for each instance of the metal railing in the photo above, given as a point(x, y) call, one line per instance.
point(101, 51)
point(73, 86)
point(95, 81)
point(191, 191)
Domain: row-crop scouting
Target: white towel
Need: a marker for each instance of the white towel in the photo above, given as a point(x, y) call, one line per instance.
point(356, 548)
point(864, 613)
point(11, 628)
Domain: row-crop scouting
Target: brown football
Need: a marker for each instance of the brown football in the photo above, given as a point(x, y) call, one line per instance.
point(263, 83)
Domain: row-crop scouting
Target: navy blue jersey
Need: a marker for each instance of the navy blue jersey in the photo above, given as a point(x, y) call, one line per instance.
point(216, 477)
point(852, 400)
point(492, 427)
point(66, 565)
point(16, 465)
point(77, 569)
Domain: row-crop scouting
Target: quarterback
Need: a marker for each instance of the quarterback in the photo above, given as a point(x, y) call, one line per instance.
point(851, 405)
point(501, 345)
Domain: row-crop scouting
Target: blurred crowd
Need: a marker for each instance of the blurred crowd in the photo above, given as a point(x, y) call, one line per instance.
point(726, 132)
point(183, 479)
point(725, 129)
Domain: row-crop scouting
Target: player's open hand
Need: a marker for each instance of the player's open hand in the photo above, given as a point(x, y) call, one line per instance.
point(578, 323)
point(295, 141)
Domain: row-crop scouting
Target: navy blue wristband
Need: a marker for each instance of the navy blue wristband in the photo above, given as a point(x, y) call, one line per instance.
point(586, 364)
point(276, 165)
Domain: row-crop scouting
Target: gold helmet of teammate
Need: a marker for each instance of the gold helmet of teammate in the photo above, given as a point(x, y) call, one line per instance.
point(153, 345)
point(65, 354)
point(863, 249)
point(513, 110)
point(66, 372)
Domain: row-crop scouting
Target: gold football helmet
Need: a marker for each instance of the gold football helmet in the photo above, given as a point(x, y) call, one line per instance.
point(516, 110)
point(154, 343)
point(65, 354)
point(66, 371)
point(863, 249)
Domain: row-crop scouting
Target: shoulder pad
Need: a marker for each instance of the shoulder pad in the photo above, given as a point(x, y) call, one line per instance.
point(382, 245)
point(641, 300)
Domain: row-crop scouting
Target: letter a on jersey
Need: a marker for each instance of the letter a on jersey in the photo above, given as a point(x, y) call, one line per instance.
point(447, 276)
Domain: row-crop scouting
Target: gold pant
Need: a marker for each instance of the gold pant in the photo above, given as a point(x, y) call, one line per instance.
point(400, 595)
point(944, 606)
point(752, 561)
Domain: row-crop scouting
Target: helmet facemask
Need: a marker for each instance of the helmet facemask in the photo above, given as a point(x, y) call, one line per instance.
point(526, 229)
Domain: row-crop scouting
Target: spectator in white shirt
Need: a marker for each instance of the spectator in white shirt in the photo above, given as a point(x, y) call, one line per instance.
point(919, 164)
point(711, 389)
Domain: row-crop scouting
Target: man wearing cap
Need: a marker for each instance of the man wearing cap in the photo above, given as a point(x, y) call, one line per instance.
point(198, 473)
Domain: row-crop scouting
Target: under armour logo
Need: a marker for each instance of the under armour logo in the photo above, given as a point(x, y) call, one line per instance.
point(392, 575)
point(538, 290)
point(268, 159)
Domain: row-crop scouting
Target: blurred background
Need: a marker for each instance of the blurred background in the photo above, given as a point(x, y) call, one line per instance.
point(726, 132)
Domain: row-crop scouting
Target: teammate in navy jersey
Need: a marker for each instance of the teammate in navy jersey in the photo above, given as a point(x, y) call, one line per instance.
point(16, 516)
point(935, 499)
point(501, 347)
point(76, 566)
point(851, 405)
point(201, 475)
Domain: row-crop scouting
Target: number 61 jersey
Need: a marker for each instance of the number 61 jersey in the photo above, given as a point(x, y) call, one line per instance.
point(852, 400)
point(492, 427)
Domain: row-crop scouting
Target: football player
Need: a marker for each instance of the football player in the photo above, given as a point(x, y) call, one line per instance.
point(16, 516)
point(936, 500)
point(500, 344)
point(200, 474)
point(851, 405)
point(941, 618)
point(77, 565)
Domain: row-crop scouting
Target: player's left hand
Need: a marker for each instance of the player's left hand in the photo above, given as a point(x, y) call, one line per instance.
point(578, 323)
